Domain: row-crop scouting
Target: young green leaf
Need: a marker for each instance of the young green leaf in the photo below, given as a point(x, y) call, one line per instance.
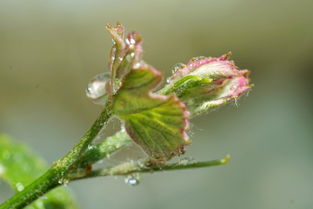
point(157, 123)
point(19, 167)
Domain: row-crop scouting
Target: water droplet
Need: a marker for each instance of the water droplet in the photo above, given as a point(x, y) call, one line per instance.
point(236, 101)
point(133, 39)
point(98, 88)
point(177, 67)
point(137, 65)
point(132, 180)
point(130, 41)
point(19, 186)
point(2, 169)
point(186, 161)
point(194, 59)
point(90, 147)
point(63, 181)
point(112, 54)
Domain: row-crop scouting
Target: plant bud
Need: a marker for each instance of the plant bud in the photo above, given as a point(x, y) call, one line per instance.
point(206, 83)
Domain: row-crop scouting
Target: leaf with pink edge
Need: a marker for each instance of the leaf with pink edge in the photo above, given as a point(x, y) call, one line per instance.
point(156, 123)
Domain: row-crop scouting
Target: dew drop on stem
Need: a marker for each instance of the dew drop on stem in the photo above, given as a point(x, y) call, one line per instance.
point(132, 180)
point(19, 186)
point(98, 88)
point(63, 181)
point(186, 161)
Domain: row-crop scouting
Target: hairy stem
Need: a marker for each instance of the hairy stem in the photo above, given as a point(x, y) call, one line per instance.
point(104, 148)
point(56, 174)
point(137, 167)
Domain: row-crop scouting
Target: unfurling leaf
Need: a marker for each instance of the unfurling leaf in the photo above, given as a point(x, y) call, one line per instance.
point(157, 123)
point(206, 83)
point(19, 167)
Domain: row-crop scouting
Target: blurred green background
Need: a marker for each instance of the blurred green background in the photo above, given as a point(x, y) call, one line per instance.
point(49, 50)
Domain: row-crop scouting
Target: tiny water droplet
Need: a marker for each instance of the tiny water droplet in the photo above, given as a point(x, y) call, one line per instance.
point(137, 65)
point(133, 39)
point(177, 67)
point(201, 57)
point(2, 169)
point(132, 180)
point(112, 54)
point(130, 41)
point(194, 59)
point(186, 161)
point(63, 181)
point(236, 101)
point(89, 147)
point(19, 186)
point(98, 88)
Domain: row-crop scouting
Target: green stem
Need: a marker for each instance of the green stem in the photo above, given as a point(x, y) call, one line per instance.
point(137, 167)
point(40, 186)
point(56, 174)
point(104, 148)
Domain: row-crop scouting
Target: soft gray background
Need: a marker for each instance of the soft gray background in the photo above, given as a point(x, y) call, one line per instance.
point(50, 49)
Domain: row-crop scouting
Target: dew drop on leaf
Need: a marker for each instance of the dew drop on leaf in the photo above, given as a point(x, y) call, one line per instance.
point(194, 59)
point(137, 65)
point(177, 67)
point(98, 88)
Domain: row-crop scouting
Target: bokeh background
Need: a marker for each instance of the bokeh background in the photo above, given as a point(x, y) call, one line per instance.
point(49, 50)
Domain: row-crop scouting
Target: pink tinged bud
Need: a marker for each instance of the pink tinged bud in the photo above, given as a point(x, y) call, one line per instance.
point(205, 83)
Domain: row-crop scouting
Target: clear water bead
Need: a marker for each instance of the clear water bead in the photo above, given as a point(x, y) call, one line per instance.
point(132, 180)
point(186, 161)
point(177, 67)
point(98, 88)
point(2, 169)
point(130, 41)
point(19, 186)
point(198, 58)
